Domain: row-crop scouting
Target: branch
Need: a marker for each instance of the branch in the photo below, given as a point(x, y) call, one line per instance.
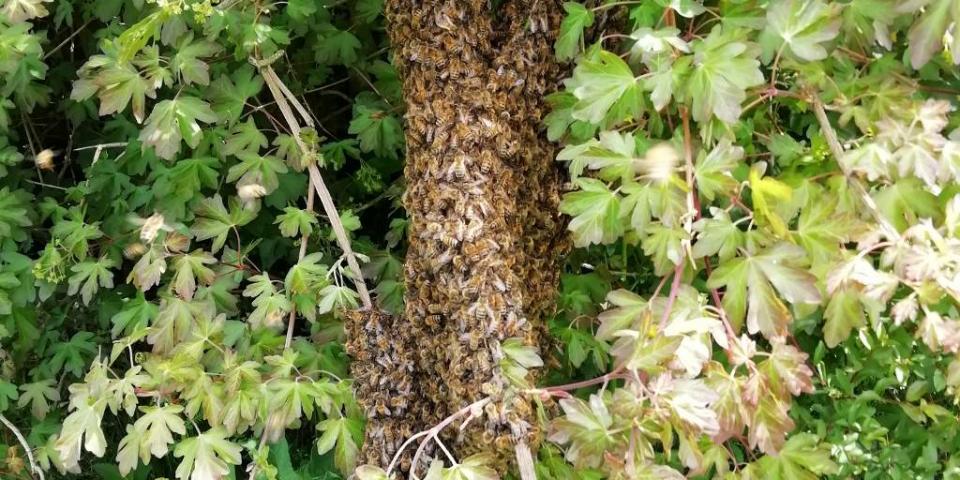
point(837, 150)
point(432, 433)
point(525, 461)
point(26, 447)
point(291, 320)
point(285, 99)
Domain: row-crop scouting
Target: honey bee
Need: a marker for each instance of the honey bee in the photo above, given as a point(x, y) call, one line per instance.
point(44, 159)
point(457, 169)
point(433, 320)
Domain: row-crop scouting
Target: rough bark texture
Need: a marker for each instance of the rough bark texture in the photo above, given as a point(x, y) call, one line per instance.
point(485, 235)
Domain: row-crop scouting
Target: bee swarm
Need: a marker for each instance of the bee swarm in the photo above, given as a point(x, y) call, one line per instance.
point(485, 234)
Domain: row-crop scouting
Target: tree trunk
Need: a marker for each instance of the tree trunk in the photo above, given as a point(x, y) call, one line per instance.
point(485, 234)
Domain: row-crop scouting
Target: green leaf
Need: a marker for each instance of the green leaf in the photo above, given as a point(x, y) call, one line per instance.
point(337, 297)
point(338, 432)
point(13, 214)
point(614, 155)
point(129, 451)
point(586, 427)
point(186, 62)
point(595, 211)
point(803, 25)
point(369, 472)
point(842, 315)
point(713, 171)
point(803, 457)
point(377, 130)
point(270, 306)
point(664, 246)
point(823, 230)
point(207, 455)
point(18, 11)
point(336, 47)
point(301, 10)
point(599, 84)
point(136, 314)
point(752, 283)
point(296, 222)
point(69, 356)
point(91, 275)
point(117, 84)
point(335, 153)
point(214, 221)
point(308, 275)
point(717, 235)
point(686, 8)
point(39, 395)
point(156, 428)
point(524, 355)
point(147, 271)
point(174, 120)
point(767, 192)
point(368, 10)
point(723, 68)
point(229, 94)
point(81, 429)
point(254, 169)
point(571, 30)
point(245, 138)
point(8, 394)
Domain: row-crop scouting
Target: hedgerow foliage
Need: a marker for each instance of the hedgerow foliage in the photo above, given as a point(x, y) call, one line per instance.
point(154, 205)
point(764, 192)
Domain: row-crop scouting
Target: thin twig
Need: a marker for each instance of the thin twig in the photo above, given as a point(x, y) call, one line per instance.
point(26, 447)
point(64, 42)
point(433, 432)
point(557, 389)
point(674, 292)
point(102, 146)
point(291, 320)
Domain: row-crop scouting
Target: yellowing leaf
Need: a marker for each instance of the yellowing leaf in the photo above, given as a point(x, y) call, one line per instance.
point(22, 10)
point(767, 192)
point(157, 424)
point(38, 395)
point(206, 456)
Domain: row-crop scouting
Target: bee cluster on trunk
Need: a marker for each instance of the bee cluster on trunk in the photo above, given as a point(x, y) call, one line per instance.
point(485, 235)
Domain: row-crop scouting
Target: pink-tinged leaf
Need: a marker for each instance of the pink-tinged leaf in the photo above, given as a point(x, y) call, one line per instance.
point(770, 424)
point(787, 371)
point(729, 406)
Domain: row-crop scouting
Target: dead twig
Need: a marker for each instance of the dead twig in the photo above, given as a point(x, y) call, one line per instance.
point(37, 471)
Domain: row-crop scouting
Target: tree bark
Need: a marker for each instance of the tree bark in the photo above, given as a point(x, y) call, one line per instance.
point(485, 233)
